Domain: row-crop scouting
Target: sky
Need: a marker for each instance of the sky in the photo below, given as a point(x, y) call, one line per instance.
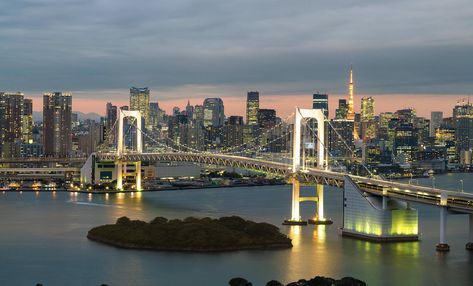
point(405, 53)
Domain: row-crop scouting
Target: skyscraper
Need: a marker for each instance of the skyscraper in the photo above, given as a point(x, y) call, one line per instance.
point(351, 91)
point(214, 114)
point(111, 115)
point(12, 109)
point(436, 118)
point(267, 118)
point(57, 138)
point(367, 109)
point(139, 100)
point(252, 107)
point(342, 110)
point(189, 110)
point(27, 121)
point(320, 101)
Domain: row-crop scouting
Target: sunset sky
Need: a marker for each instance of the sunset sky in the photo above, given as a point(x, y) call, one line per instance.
point(406, 53)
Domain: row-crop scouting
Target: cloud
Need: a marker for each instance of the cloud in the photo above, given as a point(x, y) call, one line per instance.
point(283, 47)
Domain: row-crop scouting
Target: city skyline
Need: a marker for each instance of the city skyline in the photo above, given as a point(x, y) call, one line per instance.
point(213, 49)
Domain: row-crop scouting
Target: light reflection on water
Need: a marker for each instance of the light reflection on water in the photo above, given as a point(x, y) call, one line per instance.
point(44, 235)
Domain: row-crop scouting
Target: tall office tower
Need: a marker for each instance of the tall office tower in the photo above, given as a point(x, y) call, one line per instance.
point(154, 114)
point(57, 137)
point(367, 109)
point(12, 106)
point(406, 141)
point(351, 91)
point(252, 107)
point(214, 114)
point(267, 118)
point(198, 115)
point(27, 124)
point(139, 100)
point(463, 121)
point(342, 110)
point(189, 110)
point(320, 101)
point(341, 138)
point(406, 116)
point(233, 132)
point(111, 115)
point(436, 118)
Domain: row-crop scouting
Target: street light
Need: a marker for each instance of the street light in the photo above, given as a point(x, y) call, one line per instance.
point(433, 182)
point(461, 184)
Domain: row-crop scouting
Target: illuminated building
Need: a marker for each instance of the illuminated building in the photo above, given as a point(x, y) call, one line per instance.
point(111, 114)
point(367, 109)
point(351, 90)
point(320, 101)
point(213, 112)
point(436, 118)
point(341, 138)
point(139, 100)
point(342, 110)
point(463, 120)
point(27, 124)
point(252, 107)
point(57, 137)
point(266, 118)
point(405, 143)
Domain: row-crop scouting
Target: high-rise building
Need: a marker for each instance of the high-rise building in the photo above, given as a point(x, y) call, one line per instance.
point(320, 101)
point(27, 128)
point(341, 138)
point(436, 118)
point(111, 116)
point(367, 109)
point(198, 115)
point(233, 132)
point(463, 121)
point(139, 100)
point(342, 110)
point(214, 114)
point(12, 109)
point(252, 107)
point(351, 94)
point(267, 118)
point(16, 123)
point(189, 110)
point(57, 137)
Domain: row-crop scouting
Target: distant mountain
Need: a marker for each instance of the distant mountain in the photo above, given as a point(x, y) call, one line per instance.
point(38, 116)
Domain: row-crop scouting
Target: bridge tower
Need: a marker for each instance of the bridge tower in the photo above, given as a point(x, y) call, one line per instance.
point(319, 218)
point(121, 165)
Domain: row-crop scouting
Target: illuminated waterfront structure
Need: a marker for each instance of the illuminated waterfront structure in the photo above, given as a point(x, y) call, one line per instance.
point(252, 108)
point(57, 137)
point(139, 101)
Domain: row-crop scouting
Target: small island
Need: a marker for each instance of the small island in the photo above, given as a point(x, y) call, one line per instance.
point(191, 234)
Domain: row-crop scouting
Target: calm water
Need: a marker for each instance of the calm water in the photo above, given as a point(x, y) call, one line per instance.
point(43, 239)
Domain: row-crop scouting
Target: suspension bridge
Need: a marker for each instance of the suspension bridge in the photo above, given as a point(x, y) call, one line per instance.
point(374, 208)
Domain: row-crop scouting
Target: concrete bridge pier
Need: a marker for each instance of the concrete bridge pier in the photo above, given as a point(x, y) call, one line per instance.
point(295, 213)
point(319, 212)
point(469, 245)
point(119, 169)
point(443, 246)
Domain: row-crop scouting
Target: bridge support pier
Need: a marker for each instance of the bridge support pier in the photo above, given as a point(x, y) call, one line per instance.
point(443, 246)
point(119, 169)
point(138, 175)
point(295, 213)
point(469, 245)
point(319, 214)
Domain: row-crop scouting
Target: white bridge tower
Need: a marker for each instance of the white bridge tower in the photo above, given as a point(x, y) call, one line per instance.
point(319, 218)
point(120, 165)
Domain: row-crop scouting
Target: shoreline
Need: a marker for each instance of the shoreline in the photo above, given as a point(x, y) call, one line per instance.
point(123, 245)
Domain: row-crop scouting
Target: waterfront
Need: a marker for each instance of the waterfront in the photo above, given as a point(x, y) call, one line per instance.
point(43, 239)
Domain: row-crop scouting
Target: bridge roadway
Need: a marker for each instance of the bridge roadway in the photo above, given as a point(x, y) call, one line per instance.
point(43, 160)
point(455, 201)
